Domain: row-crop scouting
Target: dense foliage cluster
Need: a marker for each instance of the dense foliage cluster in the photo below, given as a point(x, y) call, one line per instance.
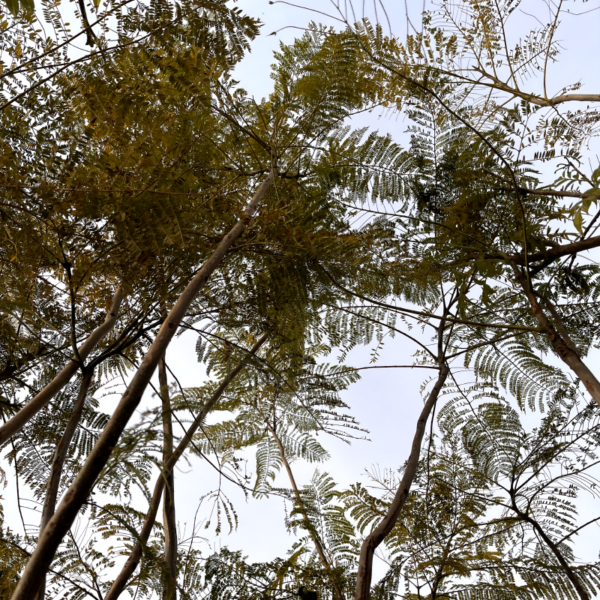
point(144, 194)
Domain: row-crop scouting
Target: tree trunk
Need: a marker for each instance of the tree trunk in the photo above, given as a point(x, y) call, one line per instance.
point(440, 572)
point(170, 523)
point(563, 347)
point(582, 593)
point(134, 558)
point(42, 557)
point(374, 539)
point(58, 460)
point(317, 542)
point(18, 421)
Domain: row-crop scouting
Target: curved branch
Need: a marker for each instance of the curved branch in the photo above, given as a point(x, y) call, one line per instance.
point(81, 487)
point(18, 421)
point(376, 537)
point(134, 558)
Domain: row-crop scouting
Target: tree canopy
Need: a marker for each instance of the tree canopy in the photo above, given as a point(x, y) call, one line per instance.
point(145, 195)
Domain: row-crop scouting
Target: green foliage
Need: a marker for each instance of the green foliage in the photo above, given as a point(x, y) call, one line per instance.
point(12, 556)
point(128, 164)
point(476, 519)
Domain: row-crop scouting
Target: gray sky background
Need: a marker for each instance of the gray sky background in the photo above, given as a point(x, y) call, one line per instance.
point(385, 402)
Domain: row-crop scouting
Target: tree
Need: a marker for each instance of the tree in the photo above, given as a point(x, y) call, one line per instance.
point(514, 242)
point(141, 171)
point(497, 503)
point(297, 111)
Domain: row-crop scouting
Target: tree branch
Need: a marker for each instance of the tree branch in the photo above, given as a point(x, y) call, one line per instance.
point(77, 494)
point(18, 421)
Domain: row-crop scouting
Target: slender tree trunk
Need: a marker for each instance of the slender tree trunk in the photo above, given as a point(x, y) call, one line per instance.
point(581, 592)
point(440, 572)
point(42, 557)
point(16, 423)
point(374, 539)
point(563, 347)
point(313, 534)
point(134, 558)
point(58, 460)
point(170, 523)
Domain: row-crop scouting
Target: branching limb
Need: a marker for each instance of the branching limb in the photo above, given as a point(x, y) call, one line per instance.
point(59, 458)
point(18, 421)
point(581, 592)
point(136, 555)
point(81, 487)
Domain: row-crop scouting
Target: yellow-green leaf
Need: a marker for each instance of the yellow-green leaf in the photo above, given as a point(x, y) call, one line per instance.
point(578, 222)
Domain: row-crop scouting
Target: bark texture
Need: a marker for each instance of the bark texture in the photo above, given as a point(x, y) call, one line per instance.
point(170, 522)
point(59, 525)
point(18, 421)
point(564, 347)
point(59, 459)
point(374, 539)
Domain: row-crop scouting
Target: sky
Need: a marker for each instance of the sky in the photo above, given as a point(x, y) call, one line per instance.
point(386, 402)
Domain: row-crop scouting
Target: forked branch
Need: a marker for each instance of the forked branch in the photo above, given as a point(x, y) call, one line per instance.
point(134, 558)
point(18, 421)
point(76, 496)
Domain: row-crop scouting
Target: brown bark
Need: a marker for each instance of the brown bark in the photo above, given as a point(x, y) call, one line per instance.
point(582, 593)
point(559, 251)
point(374, 539)
point(317, 542)
point(563, 563)
point(534, 98)
point(549, 255)
point(18, 421)
point(77, 494)
point(170, 523)
point(58, 460)
point(563, 347)
point(558, 322)
point(134, 558)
